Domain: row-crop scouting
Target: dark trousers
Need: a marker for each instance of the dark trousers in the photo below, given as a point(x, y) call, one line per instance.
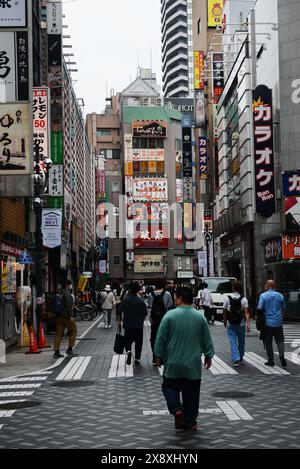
point(61, 324)
point(277, 333)
point(190, 390)
point(154, 330)
point(136, 336)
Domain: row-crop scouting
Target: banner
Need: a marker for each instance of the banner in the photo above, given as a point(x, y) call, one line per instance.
point(40, 122)
point(200, 109)
point(149, 129)
point(291, 183)
point(15, 139)
point(51, 228)
point(198, 70)
point(215, 13)
point(218, 76)
point(54, 18)
point(148, 264)
point(13, 14)
point(56, 181)
point(263, 151)
point(203, 157)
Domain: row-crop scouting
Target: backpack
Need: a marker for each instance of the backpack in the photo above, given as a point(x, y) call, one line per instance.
point(236, 313)
point(158, 309)
point(59, 309)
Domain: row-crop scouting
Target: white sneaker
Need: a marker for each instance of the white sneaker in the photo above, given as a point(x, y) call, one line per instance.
point(106, 326)
point(109, 326)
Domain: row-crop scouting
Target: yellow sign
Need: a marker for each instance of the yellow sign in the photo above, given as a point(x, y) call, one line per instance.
point(198, 70)
point(82, 283)
point(215, 13)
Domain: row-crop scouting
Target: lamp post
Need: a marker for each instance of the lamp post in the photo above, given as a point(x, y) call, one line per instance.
point(208, 241)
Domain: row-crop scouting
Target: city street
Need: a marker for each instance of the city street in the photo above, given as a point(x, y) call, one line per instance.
point(95, 401)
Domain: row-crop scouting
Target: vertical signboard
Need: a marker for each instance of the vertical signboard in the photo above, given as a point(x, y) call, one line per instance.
point(263, 152)
point(40, 110)
point(198, 69)
point(203, 158)
point(199, 109)
point(215, 13)
point(55, 60)
point(218, 76)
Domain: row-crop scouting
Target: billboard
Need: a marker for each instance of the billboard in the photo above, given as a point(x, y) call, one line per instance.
point(291, 183)
point(218, 76)
point(151, 235)
point(263, 151)
point(40, 122)
point(215, 13)
point(149, 129)
point(198, 70)
point(13, 14)
point(291, 247)
point(148, 155)
point(15, 139)
point(148, 264)
point(154, 189)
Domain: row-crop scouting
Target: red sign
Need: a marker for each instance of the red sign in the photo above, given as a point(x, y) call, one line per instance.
point(149, 235)
point(5, 249)
point(291, 247)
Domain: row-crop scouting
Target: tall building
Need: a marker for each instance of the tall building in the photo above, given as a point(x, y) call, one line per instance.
point(177, 49)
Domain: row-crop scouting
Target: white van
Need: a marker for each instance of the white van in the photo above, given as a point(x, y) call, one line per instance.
point(219, 287)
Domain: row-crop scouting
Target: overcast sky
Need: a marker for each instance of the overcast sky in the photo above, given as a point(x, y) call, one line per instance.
point(107, 37)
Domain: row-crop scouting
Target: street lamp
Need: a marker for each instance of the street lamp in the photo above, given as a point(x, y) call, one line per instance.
point(208, 240)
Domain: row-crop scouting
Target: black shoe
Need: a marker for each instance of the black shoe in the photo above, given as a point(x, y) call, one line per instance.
point(270, 364)
point(70, 353)
point(283, 362)
point(129, 354)
point(57, 355)
point(137, 362)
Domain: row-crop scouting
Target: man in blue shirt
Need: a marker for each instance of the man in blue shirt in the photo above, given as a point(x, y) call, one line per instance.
point(271, 304)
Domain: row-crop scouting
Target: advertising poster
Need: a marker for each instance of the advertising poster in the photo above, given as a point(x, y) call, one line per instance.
point(199, 109)
point(148, 264)
point(203, 158)
point(15, 139)
point(292, 213)
point(198, 70)
point(151, 190)
point(291, 247)
point(51, 228)
point(291, 184)
point(40, 122)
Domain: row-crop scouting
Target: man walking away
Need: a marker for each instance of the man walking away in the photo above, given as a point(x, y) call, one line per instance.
point(237, 314)
point(108, 304)
point(132, 312)
point(182, 338)
point(271, 303)
point(160, 301)
point(207, 304)
point(64, 319)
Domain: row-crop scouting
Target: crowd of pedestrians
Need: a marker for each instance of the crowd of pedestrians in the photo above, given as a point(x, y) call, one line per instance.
point(180, 333)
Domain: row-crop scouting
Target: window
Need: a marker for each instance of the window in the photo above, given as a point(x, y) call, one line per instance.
point(115, 187)
point(116, 154)
point(103, 133)
point(117, 260)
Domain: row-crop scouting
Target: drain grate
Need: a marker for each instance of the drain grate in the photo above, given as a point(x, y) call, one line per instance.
point(73, 384)
point(19, 405)
point(233, 394)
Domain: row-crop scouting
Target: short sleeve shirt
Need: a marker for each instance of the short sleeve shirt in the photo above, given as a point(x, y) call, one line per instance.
point(245, 304)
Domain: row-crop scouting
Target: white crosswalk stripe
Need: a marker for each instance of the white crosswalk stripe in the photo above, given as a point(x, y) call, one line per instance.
point(75, 369)
point(23, 380)
point(6, 414)
point(292, 334)
point(19, 386)
point(259, 363)
point(16, 394)
point(293, 357)
point(119, 368)
point(219, 367)
point(234, 411)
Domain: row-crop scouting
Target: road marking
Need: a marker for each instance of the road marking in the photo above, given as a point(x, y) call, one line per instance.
point(11, 401)
point(16, 394)
point(234, 411)
point(75, 369)
point(87, 331)
point(1, 426)
point(219, 367)
point(261, 361)
point(293, 357)
point(20, 386)
point(239, 410)
point(23, 380)
point(6, 414)
point(166, 412)
point(119, 368)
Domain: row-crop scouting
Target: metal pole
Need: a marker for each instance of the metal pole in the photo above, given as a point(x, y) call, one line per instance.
point(38, 243)
point(22, 306)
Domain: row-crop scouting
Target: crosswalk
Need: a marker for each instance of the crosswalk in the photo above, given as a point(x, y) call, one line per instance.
point(75, 369)
point(292, 334)
point(252, 361)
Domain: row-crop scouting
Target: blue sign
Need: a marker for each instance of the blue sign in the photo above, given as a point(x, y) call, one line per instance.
point(25, 258)
point(291, 183)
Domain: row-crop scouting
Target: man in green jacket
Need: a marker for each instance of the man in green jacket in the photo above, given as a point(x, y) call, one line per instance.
point(182, 338)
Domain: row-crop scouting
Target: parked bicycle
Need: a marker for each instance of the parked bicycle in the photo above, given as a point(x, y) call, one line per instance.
point(86, 312)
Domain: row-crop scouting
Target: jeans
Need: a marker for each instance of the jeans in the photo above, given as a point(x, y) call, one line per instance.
point(107, 316)
point(236, 335)
point(190, 390)
point(277, 333)
point(136, 336)
point(61, 324)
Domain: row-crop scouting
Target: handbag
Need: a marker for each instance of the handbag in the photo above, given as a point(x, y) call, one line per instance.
point(119, 343)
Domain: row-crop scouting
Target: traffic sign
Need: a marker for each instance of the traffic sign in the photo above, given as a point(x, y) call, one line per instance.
point(25, 258)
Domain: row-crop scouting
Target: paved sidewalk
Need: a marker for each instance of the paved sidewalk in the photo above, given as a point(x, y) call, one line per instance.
point(18, 363)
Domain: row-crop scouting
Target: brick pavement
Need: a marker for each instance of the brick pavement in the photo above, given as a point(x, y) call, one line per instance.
point(110, 413)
